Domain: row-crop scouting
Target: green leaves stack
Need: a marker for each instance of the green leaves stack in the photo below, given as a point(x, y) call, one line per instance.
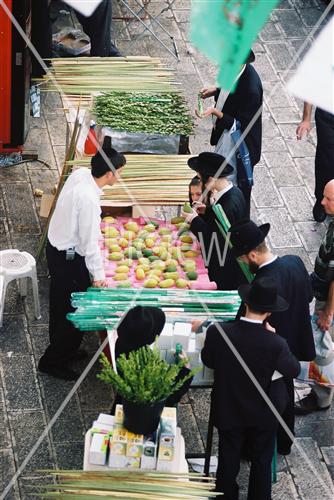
point(164, 114)
point(143, 377)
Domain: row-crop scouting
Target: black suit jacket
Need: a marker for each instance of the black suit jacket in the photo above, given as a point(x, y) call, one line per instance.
point(241, 105)
point(293, 284)
point(236, 402)
point(228, 276)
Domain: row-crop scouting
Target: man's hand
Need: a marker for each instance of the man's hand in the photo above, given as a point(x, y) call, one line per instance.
point(184, 357)
point(325, 320)
point(303, 128)
point(99, 284)
point(207, 92)
point(209, 112)
point(196, 324)
point(199, 207)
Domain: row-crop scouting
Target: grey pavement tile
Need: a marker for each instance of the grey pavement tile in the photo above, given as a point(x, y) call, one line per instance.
point(290, 23)
point(286, 175)
point(2, 210)
point(281, 55)
point(13, 337)
point(284, 4)
point(13, 301)
point(200, 401)
point(70, 455)
point(297, 201)
point(278, 159)
point(7, 471)
point(43, 178)
point(282, 232)
point(27, 427)
point(55, 391)
point(310, 16)
point(19, 203)
point(300, 149)
point(59, 152)
point(39, 336)
point(95, 394)
point(288, 130)
point(43, 287)
point(31, 485)
point(13, 173)
point(187, 422)
point(269, 128)
point(306, 169)
point(299, 45)
point(311, 234)
point(321, 430)
point(273, 144)
point(20, 386)
point(4, 235)
point(276, 96)
point(264, 192)
point(328, 454)
point(38, 139)
point(270, 32)
point(69, 425)
point(301, 4)
point(181, 16)
point(286, 115)
point(265, 68)
point(284, 488)
point(5, 438)
point(311, 477)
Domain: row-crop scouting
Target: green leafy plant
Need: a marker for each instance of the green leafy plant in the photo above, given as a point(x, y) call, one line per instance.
point(143, 377)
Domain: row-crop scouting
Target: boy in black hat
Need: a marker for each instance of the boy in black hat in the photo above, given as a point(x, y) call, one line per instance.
point(226, 273)
point(73, 255)
point(292, 281)
point(139, 327)
point(241, 414)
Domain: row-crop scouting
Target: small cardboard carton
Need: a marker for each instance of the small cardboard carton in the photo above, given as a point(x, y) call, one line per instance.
point(98, 449)
point(134, 446)
point(132, 462)
point(104, 418)
point(119, 415)
point(100, 428)
point(149, 456)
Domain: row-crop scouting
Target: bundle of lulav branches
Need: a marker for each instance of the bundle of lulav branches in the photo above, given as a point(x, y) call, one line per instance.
point(133, 112)
point(143, 377)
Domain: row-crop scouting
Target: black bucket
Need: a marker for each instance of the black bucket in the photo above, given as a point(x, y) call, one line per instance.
point(142, 418)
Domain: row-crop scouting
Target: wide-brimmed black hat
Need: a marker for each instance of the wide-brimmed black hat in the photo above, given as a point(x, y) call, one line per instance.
point(209, 163)
point(140, 327)
point(250, 57)
point(262, 296)
point(246, 235)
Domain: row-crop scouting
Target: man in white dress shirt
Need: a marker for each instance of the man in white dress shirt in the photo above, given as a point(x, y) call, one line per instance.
point(74, 257)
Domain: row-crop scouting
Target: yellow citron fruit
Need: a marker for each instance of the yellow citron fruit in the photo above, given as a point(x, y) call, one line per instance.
point(155, 272)
point(123, 242)
point(125, 262)
point(110, 241)
point(176, 253)
point(115, 256)
point(146, 267)
point(164, 230)
point(156, 250)
point(191, 253)
point(122, 269)
point(131, 226)
point(150, 228)
point(172, 275)
point(150, 283)
point(189, 265)
point(165, 244)
point(167, 237)
point(143, 234)
point(187, 208)
point(186, 239)
point(111, 232)
point(164, 255)
point(143, 260)
point(140, 273)
point(109, 219)
point(149, 242)
point(115, 248)
point(181, 283)
point(158, 264)
point(129, 235)
point(177, 220)
point(121, 276)
point(167, 283)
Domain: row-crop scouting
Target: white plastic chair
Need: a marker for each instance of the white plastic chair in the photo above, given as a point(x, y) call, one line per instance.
point(18, 265)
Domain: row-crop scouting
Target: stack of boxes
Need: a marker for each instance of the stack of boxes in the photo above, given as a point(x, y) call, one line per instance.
point(113, 445)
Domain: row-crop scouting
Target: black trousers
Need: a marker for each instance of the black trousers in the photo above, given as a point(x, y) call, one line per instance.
point(288, 415)
point(98, 28)
point(67, 276)
point(260, 446)
point(324, 164)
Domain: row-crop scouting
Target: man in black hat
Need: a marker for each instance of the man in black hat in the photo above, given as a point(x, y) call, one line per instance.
point(237, 106)
point(241, 414)
point(292, 281)
point(225, 271)
point(73, 255)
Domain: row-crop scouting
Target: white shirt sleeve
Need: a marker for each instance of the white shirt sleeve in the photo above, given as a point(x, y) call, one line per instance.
point(89, 235)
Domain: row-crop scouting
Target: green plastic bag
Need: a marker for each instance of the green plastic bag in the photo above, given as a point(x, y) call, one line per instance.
point(224, 31)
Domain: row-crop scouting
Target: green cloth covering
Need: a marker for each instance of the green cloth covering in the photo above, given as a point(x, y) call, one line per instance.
point(224, 31)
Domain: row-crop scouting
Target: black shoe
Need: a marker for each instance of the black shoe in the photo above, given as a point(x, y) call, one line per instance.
point(58, 372)
point(319, 213)
point(79, 355)
point(308, 405)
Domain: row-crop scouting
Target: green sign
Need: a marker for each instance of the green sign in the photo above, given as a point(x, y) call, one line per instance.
point(224, 31)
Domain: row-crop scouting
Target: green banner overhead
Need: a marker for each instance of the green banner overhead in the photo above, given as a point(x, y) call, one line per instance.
point(224, 31)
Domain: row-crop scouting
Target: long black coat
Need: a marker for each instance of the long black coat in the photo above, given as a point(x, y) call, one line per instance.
point(241, 105)
point(293, 284)
point(236, 402)
point(228, 276)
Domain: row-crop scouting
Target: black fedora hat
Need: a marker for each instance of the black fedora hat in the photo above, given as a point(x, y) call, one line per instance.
point(262, 296)
point(246, 235)
point(140, 327)
point(209, 164)
point(250, 57)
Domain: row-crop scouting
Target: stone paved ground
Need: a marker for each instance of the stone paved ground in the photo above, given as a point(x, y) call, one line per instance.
point(283, 195)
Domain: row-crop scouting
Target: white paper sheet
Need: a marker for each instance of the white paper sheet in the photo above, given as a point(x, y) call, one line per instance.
point(85, 7)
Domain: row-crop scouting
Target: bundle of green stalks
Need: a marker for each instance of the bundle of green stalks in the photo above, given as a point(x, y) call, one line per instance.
point(86, 75)
point(151, 179)
point(165, 114)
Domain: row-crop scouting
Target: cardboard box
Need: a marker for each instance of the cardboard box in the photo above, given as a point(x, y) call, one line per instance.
point(165, 337)
point(120, 435)
point(134, 446)
point(181, 334)
point(100, 428)
point(150, 448)
point(132, 462)
point(104, 418)
point(98, 449)
point(119, 415)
